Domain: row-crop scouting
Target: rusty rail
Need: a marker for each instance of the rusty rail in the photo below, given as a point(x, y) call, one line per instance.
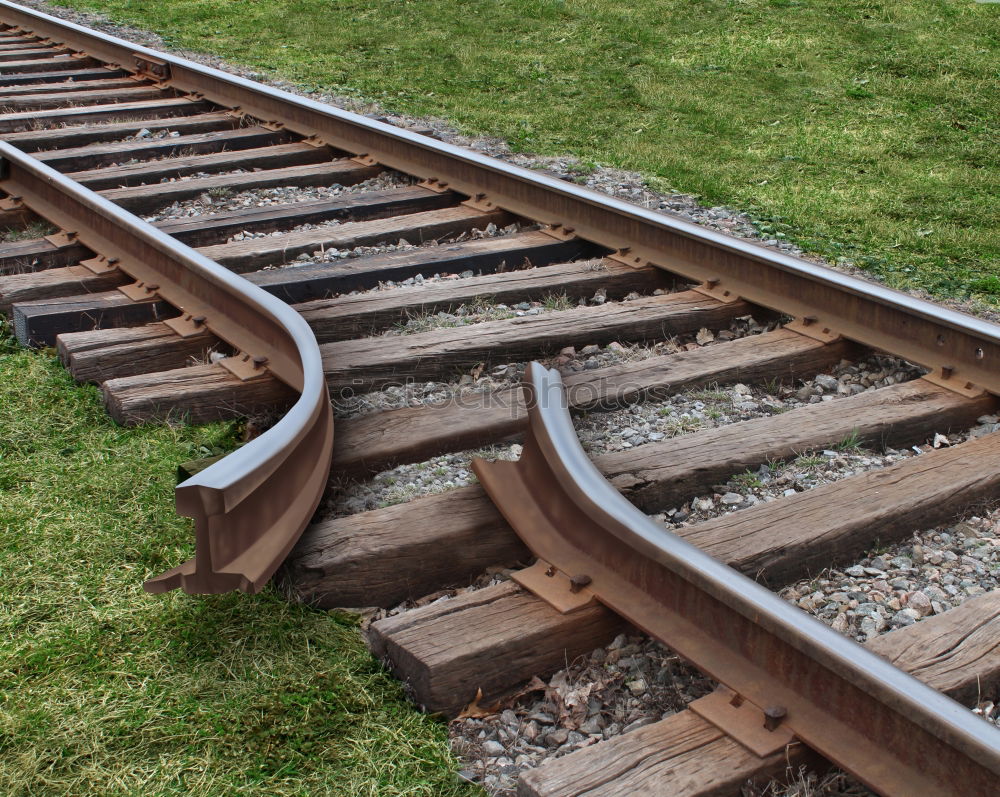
point(962, 352)
point(251, 507)
point(789, 676)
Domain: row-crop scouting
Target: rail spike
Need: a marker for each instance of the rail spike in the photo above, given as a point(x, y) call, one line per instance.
point(250, 507)
point(806, 682)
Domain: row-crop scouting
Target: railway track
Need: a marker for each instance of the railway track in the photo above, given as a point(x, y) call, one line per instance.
point(98, 133)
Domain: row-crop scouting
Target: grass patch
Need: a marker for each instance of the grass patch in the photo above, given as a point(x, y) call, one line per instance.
point(859, 129)
point(558, 301)
point(850, 443)
point(34, 229)
point(748, 479)
point(107, 690)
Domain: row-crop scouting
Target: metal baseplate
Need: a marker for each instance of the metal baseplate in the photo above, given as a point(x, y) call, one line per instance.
point(435, 185)
point(946, 377)
point(140, 291)
point(245, 366)
point(563, 593)
point(713, 287)
point(480, 202)
point(628, 258)
point(559, 231)
point(811, 327)
point(187, 325)
point(759, 730)
point(100, 264)
point(62, 238)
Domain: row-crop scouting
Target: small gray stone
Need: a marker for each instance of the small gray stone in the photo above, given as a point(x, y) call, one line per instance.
point(840, 623)
point(493, 749)
point(637, 687)
point(903, 618)
point(919, 602)
point(556, 737)
point(871, 625)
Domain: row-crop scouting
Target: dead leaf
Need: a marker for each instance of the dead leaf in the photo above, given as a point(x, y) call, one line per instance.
point(536, 684)
point(475, 711)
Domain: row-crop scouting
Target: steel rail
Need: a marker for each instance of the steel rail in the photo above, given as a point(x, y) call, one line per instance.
point(893, 732)
point(250, 507)
point(962, 351)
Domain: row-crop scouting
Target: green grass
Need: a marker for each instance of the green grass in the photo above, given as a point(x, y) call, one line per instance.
point(859, 129)
point(35, 229)
point(850, 443)
point(748, 479)
point(106, 690)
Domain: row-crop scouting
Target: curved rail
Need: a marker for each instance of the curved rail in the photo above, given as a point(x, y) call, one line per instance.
point(829, 692)
point(250, 507)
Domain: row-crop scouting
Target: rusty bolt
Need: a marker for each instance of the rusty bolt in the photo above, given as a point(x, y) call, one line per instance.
point(259, 362)
point(773, 715)
point(551, 571)
point(576, 583)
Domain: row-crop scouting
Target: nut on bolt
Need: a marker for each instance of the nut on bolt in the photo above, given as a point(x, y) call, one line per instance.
point(576, 583)
point(773, 715)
